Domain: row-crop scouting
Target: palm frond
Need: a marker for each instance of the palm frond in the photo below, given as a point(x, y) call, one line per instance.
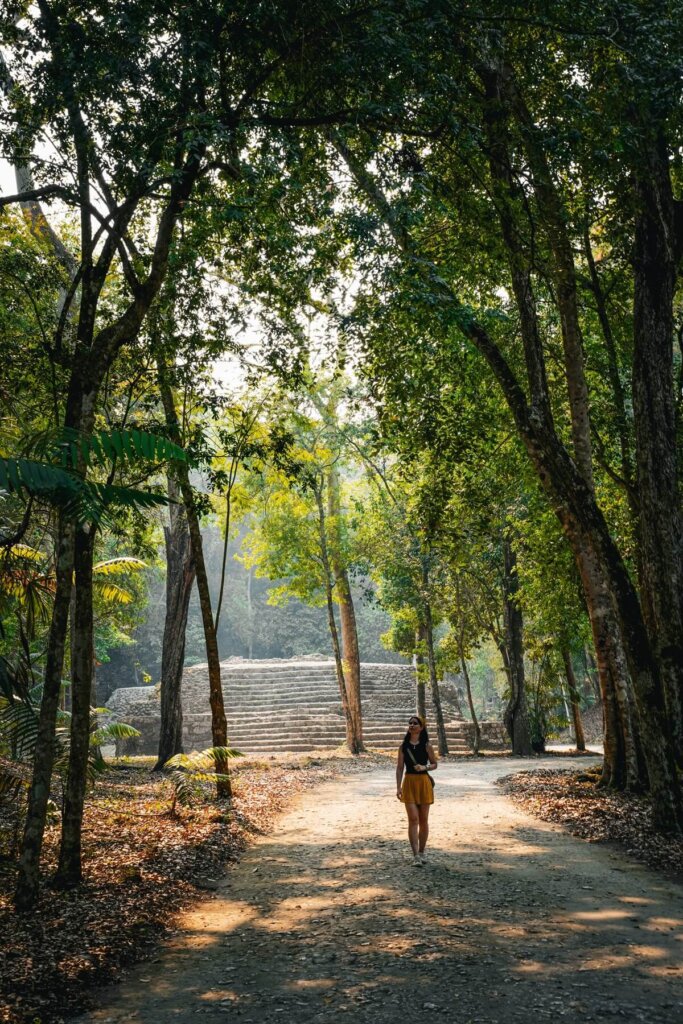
point(127, 497)
point(19, 732)
point(113, 594)
point(112, 731)
point(27, 476)
point(19, 726)
point(119, 566)
point(26, 553)
point(15, 678)
point(12, 586)
point(13, 782)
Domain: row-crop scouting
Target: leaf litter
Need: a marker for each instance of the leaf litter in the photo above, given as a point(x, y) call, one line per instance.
point(142, 866)
point(575, 801)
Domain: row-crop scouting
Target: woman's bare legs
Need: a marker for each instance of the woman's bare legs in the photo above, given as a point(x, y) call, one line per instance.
point(412, 810)
point(423, 825)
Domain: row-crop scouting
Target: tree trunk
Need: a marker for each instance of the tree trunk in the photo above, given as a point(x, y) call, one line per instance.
point(476, 745)
point(503, 651)
point(516, 715)
point(585, 529)
point(69, 871)
point(219, 728)
point(591, 672)
point(339, 668)
point(567, 713)
point(502, 87)
point(28, 877)
point(91, 358)
point(250, 615)
point(332, 624)
point(654, 277)
point(434, 682)
point(420, 687)
point(78, 415)
point(574, 699)
point(620, 416)
point(180, 576)
point(351, 655)
point(657, 252)
point(347, 615)
point(621, 766)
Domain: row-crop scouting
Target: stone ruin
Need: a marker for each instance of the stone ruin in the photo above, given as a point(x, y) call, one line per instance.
point(283, 705)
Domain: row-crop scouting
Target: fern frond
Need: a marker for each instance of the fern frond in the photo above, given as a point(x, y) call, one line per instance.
point(83, 500)
point(108, 446)
point(187, 771)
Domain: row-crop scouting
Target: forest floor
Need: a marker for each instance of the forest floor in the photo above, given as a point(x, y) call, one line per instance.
point(322, 917)
point(572, 800)
point(142, 866)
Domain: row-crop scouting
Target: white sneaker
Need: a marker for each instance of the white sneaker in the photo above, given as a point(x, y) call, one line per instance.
point(417, 861)
point(423, 857)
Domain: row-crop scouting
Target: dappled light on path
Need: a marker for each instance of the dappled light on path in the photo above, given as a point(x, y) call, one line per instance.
point(327, 920)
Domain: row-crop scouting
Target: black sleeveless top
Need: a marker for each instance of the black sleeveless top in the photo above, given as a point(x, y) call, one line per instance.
point(419, 752)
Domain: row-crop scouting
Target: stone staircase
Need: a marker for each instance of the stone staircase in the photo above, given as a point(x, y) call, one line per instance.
point(287, 705)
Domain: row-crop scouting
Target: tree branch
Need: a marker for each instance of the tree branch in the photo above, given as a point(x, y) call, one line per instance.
point(44, 192)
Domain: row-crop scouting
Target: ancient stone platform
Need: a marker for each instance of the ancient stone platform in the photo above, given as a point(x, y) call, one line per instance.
point(291, 705)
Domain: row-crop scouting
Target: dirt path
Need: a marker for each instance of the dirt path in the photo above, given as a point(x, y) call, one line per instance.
point(327, 921)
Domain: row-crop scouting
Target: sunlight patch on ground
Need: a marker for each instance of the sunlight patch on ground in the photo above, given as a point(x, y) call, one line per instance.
point(531, 967)
point(649, 952)
point(665, 922)
point(605, 914)
point(309, 983)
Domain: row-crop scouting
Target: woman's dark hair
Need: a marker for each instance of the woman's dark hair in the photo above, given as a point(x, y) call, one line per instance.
point(423, 737)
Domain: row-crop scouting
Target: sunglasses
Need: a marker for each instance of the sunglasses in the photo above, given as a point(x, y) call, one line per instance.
point(414, 721)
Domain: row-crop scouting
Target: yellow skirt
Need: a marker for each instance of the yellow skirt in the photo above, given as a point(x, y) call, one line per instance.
point(417, 789)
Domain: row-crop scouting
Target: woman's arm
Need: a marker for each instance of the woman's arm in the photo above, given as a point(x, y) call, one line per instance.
point(432, 766)
point(399, 771)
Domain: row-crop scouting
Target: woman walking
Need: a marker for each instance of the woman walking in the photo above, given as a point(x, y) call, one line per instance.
point(416, 756)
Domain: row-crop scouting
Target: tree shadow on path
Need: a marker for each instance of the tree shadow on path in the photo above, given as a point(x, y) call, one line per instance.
point(510, 921)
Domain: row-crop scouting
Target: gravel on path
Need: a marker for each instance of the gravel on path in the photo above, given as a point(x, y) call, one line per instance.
point(326, 920)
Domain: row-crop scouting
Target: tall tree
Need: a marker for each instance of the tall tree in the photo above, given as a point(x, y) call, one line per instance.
point(532, 407)
point(219, 727)
point(407, 566)
point(301, 537)
point(180, 577)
